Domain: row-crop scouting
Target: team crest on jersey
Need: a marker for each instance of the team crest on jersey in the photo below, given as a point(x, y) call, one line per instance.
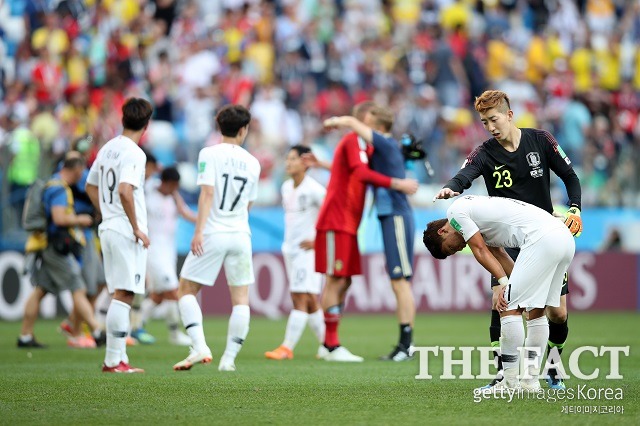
point(533, 158)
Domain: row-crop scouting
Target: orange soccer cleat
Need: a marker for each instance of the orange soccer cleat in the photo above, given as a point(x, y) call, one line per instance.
point(282, 352)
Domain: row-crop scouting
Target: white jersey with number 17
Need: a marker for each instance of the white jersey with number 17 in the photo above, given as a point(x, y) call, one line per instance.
point(119, 161)
point(234, 174)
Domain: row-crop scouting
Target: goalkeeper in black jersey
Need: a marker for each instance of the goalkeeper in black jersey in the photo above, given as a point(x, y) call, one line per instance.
point(516, 163)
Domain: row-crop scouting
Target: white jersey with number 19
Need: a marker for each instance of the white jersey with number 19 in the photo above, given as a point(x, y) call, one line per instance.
point(234, 174)
point(119, 161)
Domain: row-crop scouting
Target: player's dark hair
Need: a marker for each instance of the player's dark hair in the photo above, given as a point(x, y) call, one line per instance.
point(231, 119)
point(301, 149)
point(73, 162)
point(151, 159)
point(136, 113)
point(432, 240)
point(170, 174)
point(492, 99)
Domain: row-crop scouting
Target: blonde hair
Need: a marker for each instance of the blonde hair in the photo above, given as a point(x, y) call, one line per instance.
point(361, 109)
point(383, 116)
point(492, 99)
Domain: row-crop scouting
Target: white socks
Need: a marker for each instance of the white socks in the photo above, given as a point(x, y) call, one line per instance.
point(238, 330)
point(295, 326)
point(316, 323)
point(191, 315)
point(117, 322)
point(512, 338)
point(146, 307)
point(296, 323)
point(537, 336)
point(173, 316)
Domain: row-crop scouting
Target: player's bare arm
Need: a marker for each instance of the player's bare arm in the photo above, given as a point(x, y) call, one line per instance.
point(204, 207)
point(364, 131)
point(308, 244)
point(406, 186)
point(505, 260)
point(310, 160)
point(62, 218)
point(125, 190)
point(485, 257)
point(183, 209)
point(498, 290)
point(92, 193)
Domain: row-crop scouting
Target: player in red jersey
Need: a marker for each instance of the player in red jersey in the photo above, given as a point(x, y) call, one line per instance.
point(337, 254)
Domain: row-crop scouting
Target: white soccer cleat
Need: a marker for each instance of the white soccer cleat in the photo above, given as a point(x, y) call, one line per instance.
point(180, 339)
point(194, 358)
point(226, 364)
point(322, 352)
point(342, 354)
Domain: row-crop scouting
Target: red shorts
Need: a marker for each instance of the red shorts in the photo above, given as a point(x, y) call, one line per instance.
point(337, 254)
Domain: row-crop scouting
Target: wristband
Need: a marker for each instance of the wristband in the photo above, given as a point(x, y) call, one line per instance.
point(504, 281)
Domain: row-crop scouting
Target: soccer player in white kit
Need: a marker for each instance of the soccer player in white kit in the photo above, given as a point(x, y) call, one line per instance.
point(228, 179)
point(164, 204)
point(487, 225)
point(115, 186)
point(302, 198)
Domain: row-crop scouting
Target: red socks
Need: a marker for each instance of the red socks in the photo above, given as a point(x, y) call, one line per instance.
point(331, 322)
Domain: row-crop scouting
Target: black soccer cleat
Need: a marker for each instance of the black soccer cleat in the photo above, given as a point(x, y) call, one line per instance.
point(31, 343)
point(101, 339)
point(399, 353)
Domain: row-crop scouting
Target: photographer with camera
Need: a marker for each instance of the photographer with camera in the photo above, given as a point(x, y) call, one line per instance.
point(57, 266)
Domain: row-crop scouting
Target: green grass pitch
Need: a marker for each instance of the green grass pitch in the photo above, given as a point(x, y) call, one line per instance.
point(65, 386)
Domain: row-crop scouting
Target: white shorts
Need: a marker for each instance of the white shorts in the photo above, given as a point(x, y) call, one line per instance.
point(233, 250)
point(538, 273)
point(161, 271)
point(301, 272)
point(125, 262)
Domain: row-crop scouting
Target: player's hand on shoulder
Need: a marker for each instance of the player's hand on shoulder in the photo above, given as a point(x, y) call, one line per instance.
point(142, 237)
point(196, 245)
point(445, 193)
point(308, 245)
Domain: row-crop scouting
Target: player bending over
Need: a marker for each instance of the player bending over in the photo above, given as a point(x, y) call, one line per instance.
point(533, 282)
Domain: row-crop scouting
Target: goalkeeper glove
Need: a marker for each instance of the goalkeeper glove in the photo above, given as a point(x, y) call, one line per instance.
point(573, 221)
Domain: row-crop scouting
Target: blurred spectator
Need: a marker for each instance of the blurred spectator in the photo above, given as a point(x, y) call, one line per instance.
point(24, 149)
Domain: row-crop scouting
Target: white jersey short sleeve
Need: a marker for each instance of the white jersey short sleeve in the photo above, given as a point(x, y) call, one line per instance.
point(234, 174)
point(119, 161)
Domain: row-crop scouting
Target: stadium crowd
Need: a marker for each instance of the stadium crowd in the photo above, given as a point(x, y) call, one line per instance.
point(571, 67)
